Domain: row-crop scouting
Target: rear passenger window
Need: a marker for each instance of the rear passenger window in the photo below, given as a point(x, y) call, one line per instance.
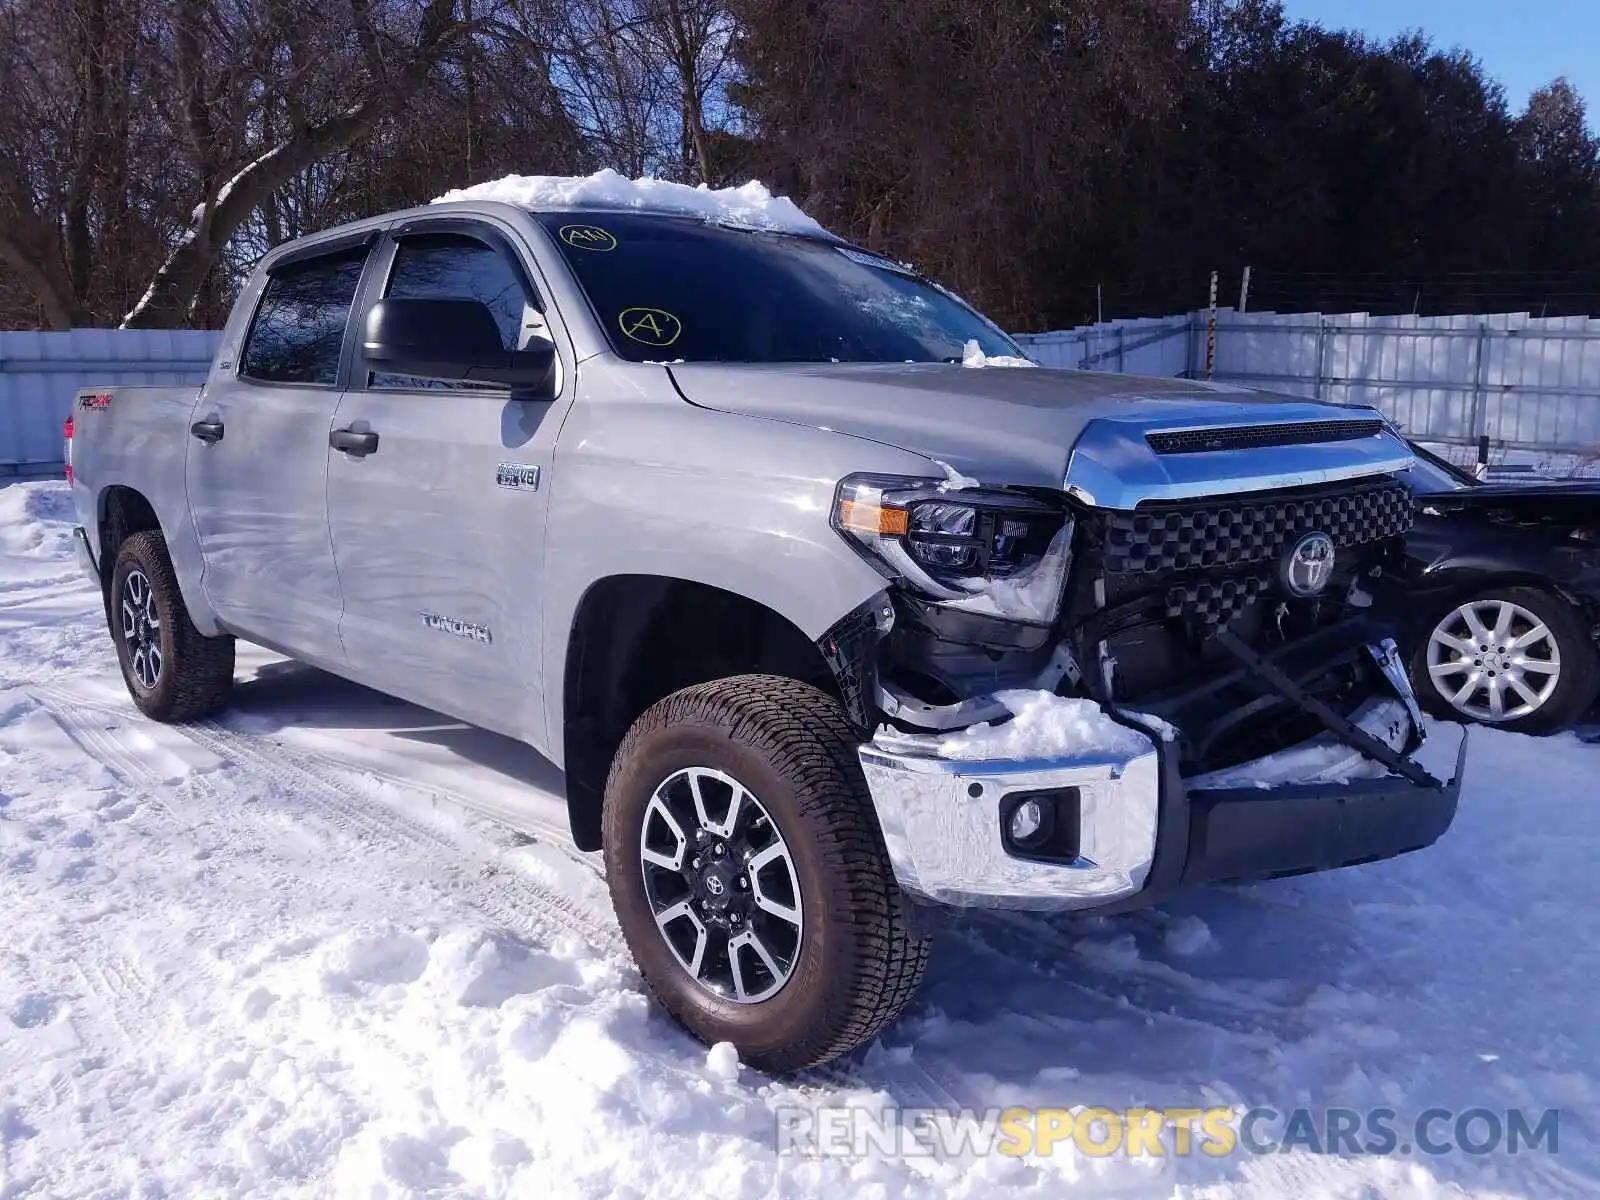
point(450, 266)
point(299, 328)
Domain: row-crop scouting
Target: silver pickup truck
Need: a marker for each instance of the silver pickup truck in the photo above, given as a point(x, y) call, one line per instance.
point(830, 620)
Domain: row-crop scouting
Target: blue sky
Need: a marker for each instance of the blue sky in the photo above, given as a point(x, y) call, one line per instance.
point(1522, 43)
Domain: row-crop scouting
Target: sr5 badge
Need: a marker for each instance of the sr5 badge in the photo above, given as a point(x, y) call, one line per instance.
point(517, 476)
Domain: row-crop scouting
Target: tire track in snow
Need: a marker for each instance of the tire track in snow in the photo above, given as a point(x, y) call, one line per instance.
point(101, 973)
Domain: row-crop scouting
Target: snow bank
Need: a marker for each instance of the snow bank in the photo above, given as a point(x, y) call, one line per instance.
point(1044, 725)
point(751, 205)
point(36, 520)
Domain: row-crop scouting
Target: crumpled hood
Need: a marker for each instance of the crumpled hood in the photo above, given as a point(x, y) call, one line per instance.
point(1012, 426)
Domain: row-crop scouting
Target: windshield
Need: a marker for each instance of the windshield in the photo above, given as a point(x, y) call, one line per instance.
point(669, 288)
point(1433, 474)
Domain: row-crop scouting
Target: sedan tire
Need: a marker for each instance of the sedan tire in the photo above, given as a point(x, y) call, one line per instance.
point(1514, 658)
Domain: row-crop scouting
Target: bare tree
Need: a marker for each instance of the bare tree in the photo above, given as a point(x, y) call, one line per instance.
point(161, 127)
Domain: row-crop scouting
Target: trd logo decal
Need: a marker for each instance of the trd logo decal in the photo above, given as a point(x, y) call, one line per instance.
point(95, 400)
point(461, 629)
point(517, 477)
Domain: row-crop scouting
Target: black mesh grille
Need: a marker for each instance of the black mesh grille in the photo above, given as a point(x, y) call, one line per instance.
point(1251, 529)
point(1215, 602)
point(1250, 437)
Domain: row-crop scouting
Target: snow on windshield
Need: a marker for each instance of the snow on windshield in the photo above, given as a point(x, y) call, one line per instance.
point(751, 204)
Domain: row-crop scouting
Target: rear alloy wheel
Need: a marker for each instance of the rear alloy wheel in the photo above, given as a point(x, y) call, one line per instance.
point(749, 874)
point(173, 672)
point(141, 628)
point(1518, 659)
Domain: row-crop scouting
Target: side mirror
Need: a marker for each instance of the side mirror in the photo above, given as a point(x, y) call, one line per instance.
point(453, 339)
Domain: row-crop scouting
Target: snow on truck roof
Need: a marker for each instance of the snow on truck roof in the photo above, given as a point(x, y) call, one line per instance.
point(751, 205)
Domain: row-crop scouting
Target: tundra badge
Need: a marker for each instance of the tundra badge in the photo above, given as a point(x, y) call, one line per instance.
point(462, 629)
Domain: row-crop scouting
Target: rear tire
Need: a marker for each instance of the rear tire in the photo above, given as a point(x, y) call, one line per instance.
point(852, 965)
point(173, 672)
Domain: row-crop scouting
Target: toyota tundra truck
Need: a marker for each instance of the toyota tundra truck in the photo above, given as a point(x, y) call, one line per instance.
point(833, 608)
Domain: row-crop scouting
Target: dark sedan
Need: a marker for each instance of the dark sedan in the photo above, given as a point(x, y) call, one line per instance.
point(1503, 597)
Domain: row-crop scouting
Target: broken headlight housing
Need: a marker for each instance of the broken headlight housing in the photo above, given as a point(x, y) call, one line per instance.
point(993, 553)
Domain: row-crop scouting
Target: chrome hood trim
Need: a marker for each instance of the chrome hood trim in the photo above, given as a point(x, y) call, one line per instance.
point(1113, 466)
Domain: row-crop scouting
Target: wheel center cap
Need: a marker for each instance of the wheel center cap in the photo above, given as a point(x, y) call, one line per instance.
point(716, 886)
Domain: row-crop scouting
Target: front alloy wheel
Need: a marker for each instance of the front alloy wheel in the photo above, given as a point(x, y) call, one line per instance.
point(749, 874)
point(721, 883)
point(1519, 659)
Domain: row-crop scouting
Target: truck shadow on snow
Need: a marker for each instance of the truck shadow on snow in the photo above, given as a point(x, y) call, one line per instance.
point(282, 695)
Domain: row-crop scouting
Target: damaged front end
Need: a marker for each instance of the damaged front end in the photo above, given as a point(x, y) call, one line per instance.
point(1237, 707)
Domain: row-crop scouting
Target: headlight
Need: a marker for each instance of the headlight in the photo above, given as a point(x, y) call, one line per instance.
point(979, 551)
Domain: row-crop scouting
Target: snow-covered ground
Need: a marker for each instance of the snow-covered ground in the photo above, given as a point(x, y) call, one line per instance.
point(284, 954)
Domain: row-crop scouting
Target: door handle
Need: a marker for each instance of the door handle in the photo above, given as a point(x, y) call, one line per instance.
point(209, 432)
point(358, 445)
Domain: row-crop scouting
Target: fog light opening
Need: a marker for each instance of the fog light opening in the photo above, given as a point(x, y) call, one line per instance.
point(1043, 825)
point(1027, 819)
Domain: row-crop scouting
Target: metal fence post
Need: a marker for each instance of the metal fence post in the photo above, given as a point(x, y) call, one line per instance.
point(1211, 328)
point(1322, 349)
point(1478, 418)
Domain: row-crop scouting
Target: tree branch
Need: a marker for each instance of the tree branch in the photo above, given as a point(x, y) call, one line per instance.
point(180, 277)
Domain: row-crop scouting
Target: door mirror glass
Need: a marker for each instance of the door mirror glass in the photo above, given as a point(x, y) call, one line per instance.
point(455, 340)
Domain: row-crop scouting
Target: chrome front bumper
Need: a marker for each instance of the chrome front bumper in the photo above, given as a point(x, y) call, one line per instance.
point(1143, 832)
point(941, 822)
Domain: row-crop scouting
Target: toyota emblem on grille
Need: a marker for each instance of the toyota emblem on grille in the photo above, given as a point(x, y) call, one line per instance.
point(1308, 566)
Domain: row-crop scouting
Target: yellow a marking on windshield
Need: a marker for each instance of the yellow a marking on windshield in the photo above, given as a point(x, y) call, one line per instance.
point(652, 326)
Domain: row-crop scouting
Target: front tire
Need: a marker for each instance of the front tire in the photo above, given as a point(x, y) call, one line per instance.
point(749, 874)
point(173, 672)
point(1515, 658)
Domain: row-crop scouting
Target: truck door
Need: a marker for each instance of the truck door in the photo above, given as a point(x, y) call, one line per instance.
point(256, 467)
point(437, 497)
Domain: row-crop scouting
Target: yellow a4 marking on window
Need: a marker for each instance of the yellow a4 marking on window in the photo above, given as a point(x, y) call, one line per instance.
point(652, 326)
point(588, 237)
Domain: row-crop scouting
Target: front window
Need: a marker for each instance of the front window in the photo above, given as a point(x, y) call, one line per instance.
point(452, 266)
point(669, 288)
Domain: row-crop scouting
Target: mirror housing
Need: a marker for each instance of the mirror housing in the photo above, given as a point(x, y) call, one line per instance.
point(453, 339)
